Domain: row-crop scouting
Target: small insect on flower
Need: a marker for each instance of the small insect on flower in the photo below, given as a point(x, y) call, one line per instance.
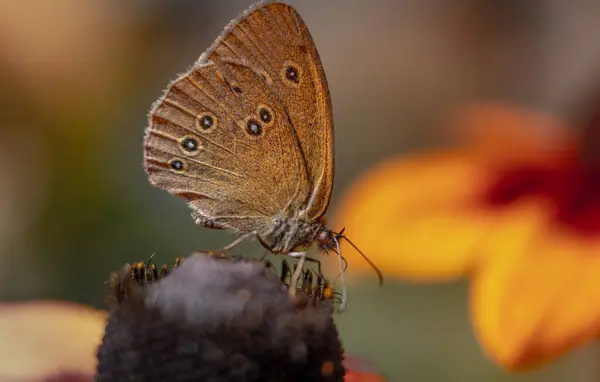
point(313, 286)
point(146, 273)
point(124, 282)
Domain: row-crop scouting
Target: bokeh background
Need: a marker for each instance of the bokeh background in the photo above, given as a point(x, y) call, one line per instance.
point(78, 78)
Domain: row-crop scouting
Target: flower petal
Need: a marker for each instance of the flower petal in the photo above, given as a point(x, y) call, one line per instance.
point(416, 218)
point(352, 376)
point(360, 370)
point(502, 133)
point(539, 295)
point(45, 338)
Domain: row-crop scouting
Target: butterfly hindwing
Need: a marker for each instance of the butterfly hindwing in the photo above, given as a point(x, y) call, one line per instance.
point(200, 145)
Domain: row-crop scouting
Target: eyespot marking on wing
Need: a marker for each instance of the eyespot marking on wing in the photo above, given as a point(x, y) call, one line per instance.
point(190, 145)
point(291, 74)
point(236, 89)
point(206, 122)
point(265, 114)
point(177, 165)
point(252, 127)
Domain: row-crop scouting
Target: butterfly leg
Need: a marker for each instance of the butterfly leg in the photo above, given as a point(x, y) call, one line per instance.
point(307, 282)
point(264, 256)
point(318, 265)
point(301, 256)
point(237, 241)
point(285, 272)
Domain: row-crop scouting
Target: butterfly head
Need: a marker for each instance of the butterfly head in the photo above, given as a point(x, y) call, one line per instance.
point(326, 239)
point(329, 240)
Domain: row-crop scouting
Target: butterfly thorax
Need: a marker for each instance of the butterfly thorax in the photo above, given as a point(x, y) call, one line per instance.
point(289, 233)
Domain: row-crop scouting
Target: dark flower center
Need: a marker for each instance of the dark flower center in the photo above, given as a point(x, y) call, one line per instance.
point(571, 190)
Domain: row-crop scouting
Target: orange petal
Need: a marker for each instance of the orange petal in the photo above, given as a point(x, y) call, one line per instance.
point(360, 370)
point(539, 295)
point(414, 218)
point(42, 339)
point(352, 376)
point(501, 132)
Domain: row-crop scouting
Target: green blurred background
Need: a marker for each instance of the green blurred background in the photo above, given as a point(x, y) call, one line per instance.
point(79, 76)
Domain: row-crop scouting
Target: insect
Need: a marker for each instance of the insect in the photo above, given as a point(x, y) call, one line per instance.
point(140, 274)
point(313, 284)
point(147, 273)
point(124, 282)
point(246, 136)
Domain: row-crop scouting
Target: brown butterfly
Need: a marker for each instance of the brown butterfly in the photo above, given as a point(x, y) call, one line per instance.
point(246, 135)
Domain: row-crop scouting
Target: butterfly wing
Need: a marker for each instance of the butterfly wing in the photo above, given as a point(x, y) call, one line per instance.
point(275, 42)
point(220, 138)
point(264, 70)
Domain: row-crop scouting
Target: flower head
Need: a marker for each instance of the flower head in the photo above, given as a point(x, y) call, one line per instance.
point(216, 319)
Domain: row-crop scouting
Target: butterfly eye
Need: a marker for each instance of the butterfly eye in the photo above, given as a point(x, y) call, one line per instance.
point(291, 73)
point(189, 145)
point(253, 127)
point(206, 122)
point(177, 165)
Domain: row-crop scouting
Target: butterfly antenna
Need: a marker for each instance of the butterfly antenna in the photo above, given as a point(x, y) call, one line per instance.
point(379, 274)
point(344, 301)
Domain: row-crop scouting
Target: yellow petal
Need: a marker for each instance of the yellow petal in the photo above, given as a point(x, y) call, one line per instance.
point(42, 338)
point(539, 294)
point(416, 217)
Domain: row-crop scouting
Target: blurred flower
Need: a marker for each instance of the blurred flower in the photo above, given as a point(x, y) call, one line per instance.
point(517, 209)
point(356, 376)
point(67, 55)
point(358, 370)
point(49, 340)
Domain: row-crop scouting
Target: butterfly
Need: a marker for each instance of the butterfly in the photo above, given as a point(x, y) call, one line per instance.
point(246, 135)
